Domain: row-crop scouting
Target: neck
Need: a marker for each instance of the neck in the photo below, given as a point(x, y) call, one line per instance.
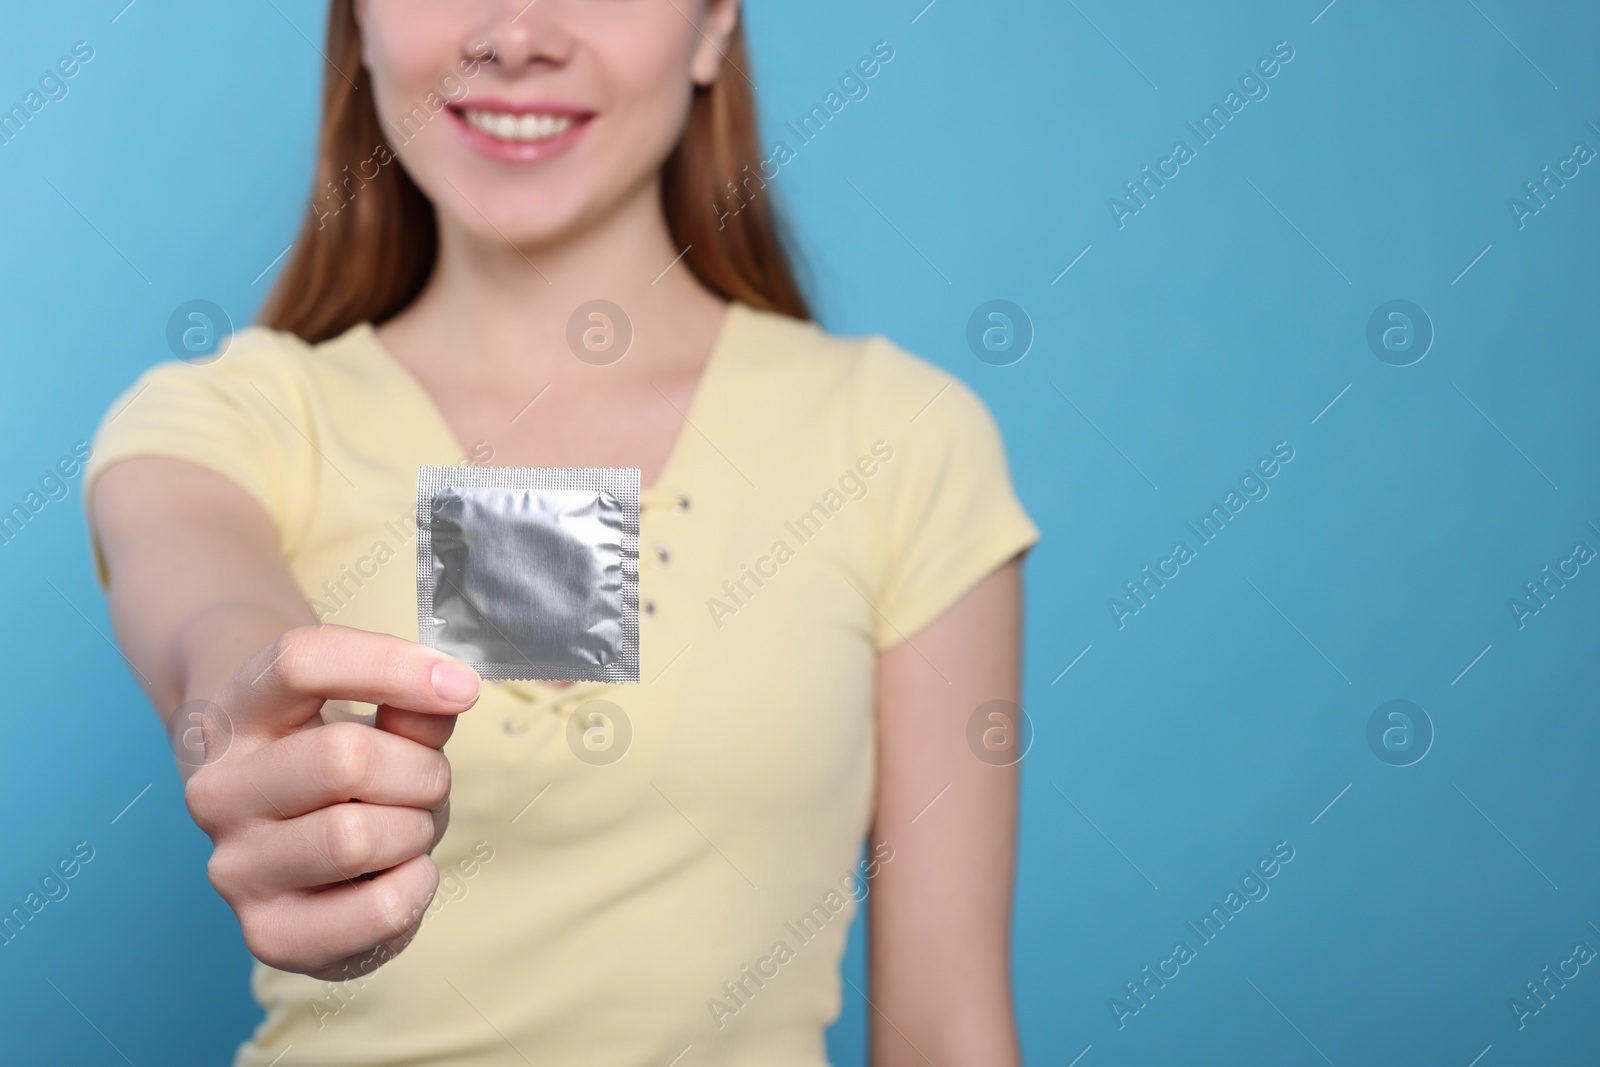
point(492, 307)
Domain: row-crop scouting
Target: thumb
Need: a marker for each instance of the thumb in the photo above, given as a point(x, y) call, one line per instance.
point(284, 686)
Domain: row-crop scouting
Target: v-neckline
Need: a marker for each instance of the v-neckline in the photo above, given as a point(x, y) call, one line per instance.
point(690, 418)
point(704, 395)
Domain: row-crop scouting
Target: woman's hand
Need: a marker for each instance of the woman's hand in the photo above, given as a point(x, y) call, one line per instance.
point(198, 584)
point(317, 880)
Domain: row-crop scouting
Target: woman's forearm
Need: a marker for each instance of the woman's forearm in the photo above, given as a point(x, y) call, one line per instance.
point(941, 912)
point(197, 584)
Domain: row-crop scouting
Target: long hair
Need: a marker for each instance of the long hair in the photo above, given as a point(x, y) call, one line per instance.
point(369, 257)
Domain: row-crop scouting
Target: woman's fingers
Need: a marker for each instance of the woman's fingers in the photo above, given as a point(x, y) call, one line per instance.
point(421, 727)
point(317, 767)
point(317, 931)
point(331, 846)
point(365, 961)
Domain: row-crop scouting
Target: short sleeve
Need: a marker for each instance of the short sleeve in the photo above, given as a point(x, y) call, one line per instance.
point(953, 514)
point(243, 416)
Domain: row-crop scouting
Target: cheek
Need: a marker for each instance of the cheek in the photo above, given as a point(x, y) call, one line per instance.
point(407, 51)
point(647, 85)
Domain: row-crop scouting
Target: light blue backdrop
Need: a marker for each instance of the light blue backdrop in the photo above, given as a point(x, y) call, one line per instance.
point(1227, 314)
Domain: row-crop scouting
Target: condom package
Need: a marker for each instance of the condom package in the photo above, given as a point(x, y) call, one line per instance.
point(531, 573)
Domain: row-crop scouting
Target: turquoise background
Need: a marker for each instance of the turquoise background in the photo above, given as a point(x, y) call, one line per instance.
point(1227, 315)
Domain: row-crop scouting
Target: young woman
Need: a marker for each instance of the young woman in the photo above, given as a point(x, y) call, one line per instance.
point(830, 585)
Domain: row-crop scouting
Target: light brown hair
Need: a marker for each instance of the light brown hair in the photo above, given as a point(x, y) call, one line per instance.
point(370, 258)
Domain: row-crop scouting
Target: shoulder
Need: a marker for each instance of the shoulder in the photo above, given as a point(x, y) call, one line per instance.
point(240, 413)
point(258, 380)
point(252, 366)
point(259, 349)
point(261, 343)
point(254, 357)
point(870, 373)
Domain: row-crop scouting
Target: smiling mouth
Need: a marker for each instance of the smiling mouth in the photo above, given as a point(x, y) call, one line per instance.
point(527, 128)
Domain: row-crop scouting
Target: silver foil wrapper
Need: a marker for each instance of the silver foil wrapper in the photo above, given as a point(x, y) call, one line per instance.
point(531, 573)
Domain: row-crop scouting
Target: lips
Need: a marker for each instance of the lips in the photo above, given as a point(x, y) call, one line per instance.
point(520, 131)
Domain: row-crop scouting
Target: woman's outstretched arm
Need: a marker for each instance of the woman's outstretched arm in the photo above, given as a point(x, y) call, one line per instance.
point(941, 909)
point(209, 616)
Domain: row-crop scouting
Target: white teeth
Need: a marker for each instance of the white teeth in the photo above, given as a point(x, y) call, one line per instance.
point(505, 126)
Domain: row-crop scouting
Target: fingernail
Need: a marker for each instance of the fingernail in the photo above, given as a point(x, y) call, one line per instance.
point(455, 682)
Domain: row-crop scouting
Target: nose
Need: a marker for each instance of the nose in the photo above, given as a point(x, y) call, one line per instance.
point(526, 34)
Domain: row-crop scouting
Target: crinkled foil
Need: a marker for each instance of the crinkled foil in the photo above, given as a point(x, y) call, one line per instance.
point(531, 573)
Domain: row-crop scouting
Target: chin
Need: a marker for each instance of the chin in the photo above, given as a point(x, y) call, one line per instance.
point(521, 217)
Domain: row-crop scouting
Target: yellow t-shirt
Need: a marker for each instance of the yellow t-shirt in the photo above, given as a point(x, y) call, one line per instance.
point(679, 876)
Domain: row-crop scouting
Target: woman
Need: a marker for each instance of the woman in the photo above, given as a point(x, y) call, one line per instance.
point(830, 585)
